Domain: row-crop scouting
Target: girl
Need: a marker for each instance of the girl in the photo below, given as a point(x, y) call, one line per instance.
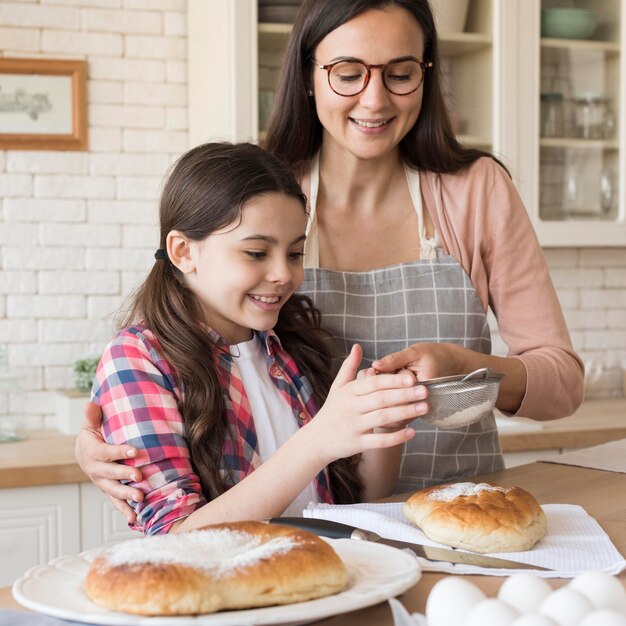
point(213, 386)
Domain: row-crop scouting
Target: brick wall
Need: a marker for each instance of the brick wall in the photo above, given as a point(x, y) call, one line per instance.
point(77, 230)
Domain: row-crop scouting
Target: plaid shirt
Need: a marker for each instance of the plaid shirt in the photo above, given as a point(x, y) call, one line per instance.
point(136, 388)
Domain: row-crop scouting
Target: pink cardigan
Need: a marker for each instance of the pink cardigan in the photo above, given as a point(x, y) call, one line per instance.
point(481, 221)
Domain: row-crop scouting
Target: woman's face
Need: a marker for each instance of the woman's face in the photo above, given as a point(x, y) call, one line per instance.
point(372, 123)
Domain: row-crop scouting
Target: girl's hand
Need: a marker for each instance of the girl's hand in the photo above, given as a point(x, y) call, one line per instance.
point(357, 406)
point(98, 460)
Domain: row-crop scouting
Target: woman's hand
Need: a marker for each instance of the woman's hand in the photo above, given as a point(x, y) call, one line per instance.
point(432, 360)
point(98, 460)
point(366, 411)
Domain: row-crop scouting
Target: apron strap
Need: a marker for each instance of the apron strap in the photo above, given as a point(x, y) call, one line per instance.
point(428, 247)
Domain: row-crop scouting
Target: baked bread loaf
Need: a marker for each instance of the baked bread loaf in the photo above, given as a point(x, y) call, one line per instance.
point(238, 565)
point(479, 517)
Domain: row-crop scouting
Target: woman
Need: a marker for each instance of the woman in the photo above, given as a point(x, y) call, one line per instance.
point(412, 237)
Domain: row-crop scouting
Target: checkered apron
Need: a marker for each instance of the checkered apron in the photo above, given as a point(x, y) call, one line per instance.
point(389, 309)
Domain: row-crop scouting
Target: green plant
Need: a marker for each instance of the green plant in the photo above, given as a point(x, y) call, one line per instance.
point(85, 370)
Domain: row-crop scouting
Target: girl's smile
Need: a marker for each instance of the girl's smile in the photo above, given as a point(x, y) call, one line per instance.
point(244, 273)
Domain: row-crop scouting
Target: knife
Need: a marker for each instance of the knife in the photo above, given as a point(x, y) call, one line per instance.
point(335, 530)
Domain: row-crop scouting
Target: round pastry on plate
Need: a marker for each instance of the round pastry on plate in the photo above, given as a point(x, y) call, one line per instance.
point(238, 565)
point(479, 517)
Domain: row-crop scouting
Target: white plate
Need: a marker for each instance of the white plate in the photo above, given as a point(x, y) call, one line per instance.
point(376, 573)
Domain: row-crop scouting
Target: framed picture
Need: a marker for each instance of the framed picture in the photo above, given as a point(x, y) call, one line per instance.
point(43, 104)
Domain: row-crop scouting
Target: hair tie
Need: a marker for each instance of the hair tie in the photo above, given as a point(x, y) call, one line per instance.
point(161, 253)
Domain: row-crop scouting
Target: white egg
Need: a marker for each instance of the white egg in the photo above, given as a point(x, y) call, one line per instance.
point(566, 606)
point(524, 592)
point(450, 600)
point(534, 619)
point(602, 590)
point(491, 612)
point(604, 617)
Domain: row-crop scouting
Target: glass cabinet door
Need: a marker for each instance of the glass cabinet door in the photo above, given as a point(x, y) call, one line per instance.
point(579, 101)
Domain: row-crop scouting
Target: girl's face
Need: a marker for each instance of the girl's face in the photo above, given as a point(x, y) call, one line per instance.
point(372, 123)
point(243, 274)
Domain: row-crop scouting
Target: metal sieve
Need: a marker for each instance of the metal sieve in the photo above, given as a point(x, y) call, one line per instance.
point(457, 401)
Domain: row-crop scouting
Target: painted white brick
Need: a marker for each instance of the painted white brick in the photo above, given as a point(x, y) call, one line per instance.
point(117, 116)
point(105, 92)
point(155, 141)
point(79, 43)
point(156, 47)
point(602, 299)
point(144, 70)
point(577, 339)
point(78, 282)
point(175, 24)
point(176, 72)
point(16, 185)
point(139, 187)
point(616, 319)
point(74, 187)
point(40, 258)
point(561, 257)
point(3, 306)
point(568, 278)
point(120, 259)
point(19, 39)
point(78, 330)
point(18, 282)
point(32, 210)
point(569, 298)
point(96, 235)
point(46, 306)
point(55, 377)
point(603, 257)
point(157, 5)
point(105, 140)
point(129, 164)
point(137, 22)
point(155, 94)
point(140, 236)
point(2, 160)
point(18, 232)
point(104, 307)
point(43, 162)
point(616, 278)
point(585, 319)
point(17, 331)
point(176, 118)
point(38, 402)
point(132, 280)
point(45, 354)
point(606, 340)
point(122, 212)
point(12, 14)
point(105, 4)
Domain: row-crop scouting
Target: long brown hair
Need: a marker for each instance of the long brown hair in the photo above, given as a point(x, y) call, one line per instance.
point(295, 131)
point(206, 191)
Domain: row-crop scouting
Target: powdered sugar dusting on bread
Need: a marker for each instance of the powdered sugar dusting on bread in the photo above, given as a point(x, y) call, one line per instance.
point(446, 493)
point(218, 551)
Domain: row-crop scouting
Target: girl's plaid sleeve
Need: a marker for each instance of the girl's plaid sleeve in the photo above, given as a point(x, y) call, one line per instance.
point(135, 387)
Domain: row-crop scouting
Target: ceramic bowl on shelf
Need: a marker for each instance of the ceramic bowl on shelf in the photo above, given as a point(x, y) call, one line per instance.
point(568, 23)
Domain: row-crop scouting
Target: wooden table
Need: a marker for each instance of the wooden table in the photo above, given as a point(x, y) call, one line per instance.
point(602, 494)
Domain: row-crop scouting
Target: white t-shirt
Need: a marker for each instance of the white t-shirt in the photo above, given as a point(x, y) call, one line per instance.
point(273, 418)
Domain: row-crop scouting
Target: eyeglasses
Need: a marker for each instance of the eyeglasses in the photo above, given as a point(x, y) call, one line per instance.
point(350, 78)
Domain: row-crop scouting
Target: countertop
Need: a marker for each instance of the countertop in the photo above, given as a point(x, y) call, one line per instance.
point(47, 456)
point(592, 489)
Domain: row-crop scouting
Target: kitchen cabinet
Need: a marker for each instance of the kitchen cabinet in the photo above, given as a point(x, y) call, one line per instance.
point(494, 71)
point(41, 523)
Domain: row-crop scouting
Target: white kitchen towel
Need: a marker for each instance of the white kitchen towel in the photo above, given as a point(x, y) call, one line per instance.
point(574, 543)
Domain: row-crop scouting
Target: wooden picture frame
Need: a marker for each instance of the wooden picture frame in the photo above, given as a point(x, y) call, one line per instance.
point(43, 104)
